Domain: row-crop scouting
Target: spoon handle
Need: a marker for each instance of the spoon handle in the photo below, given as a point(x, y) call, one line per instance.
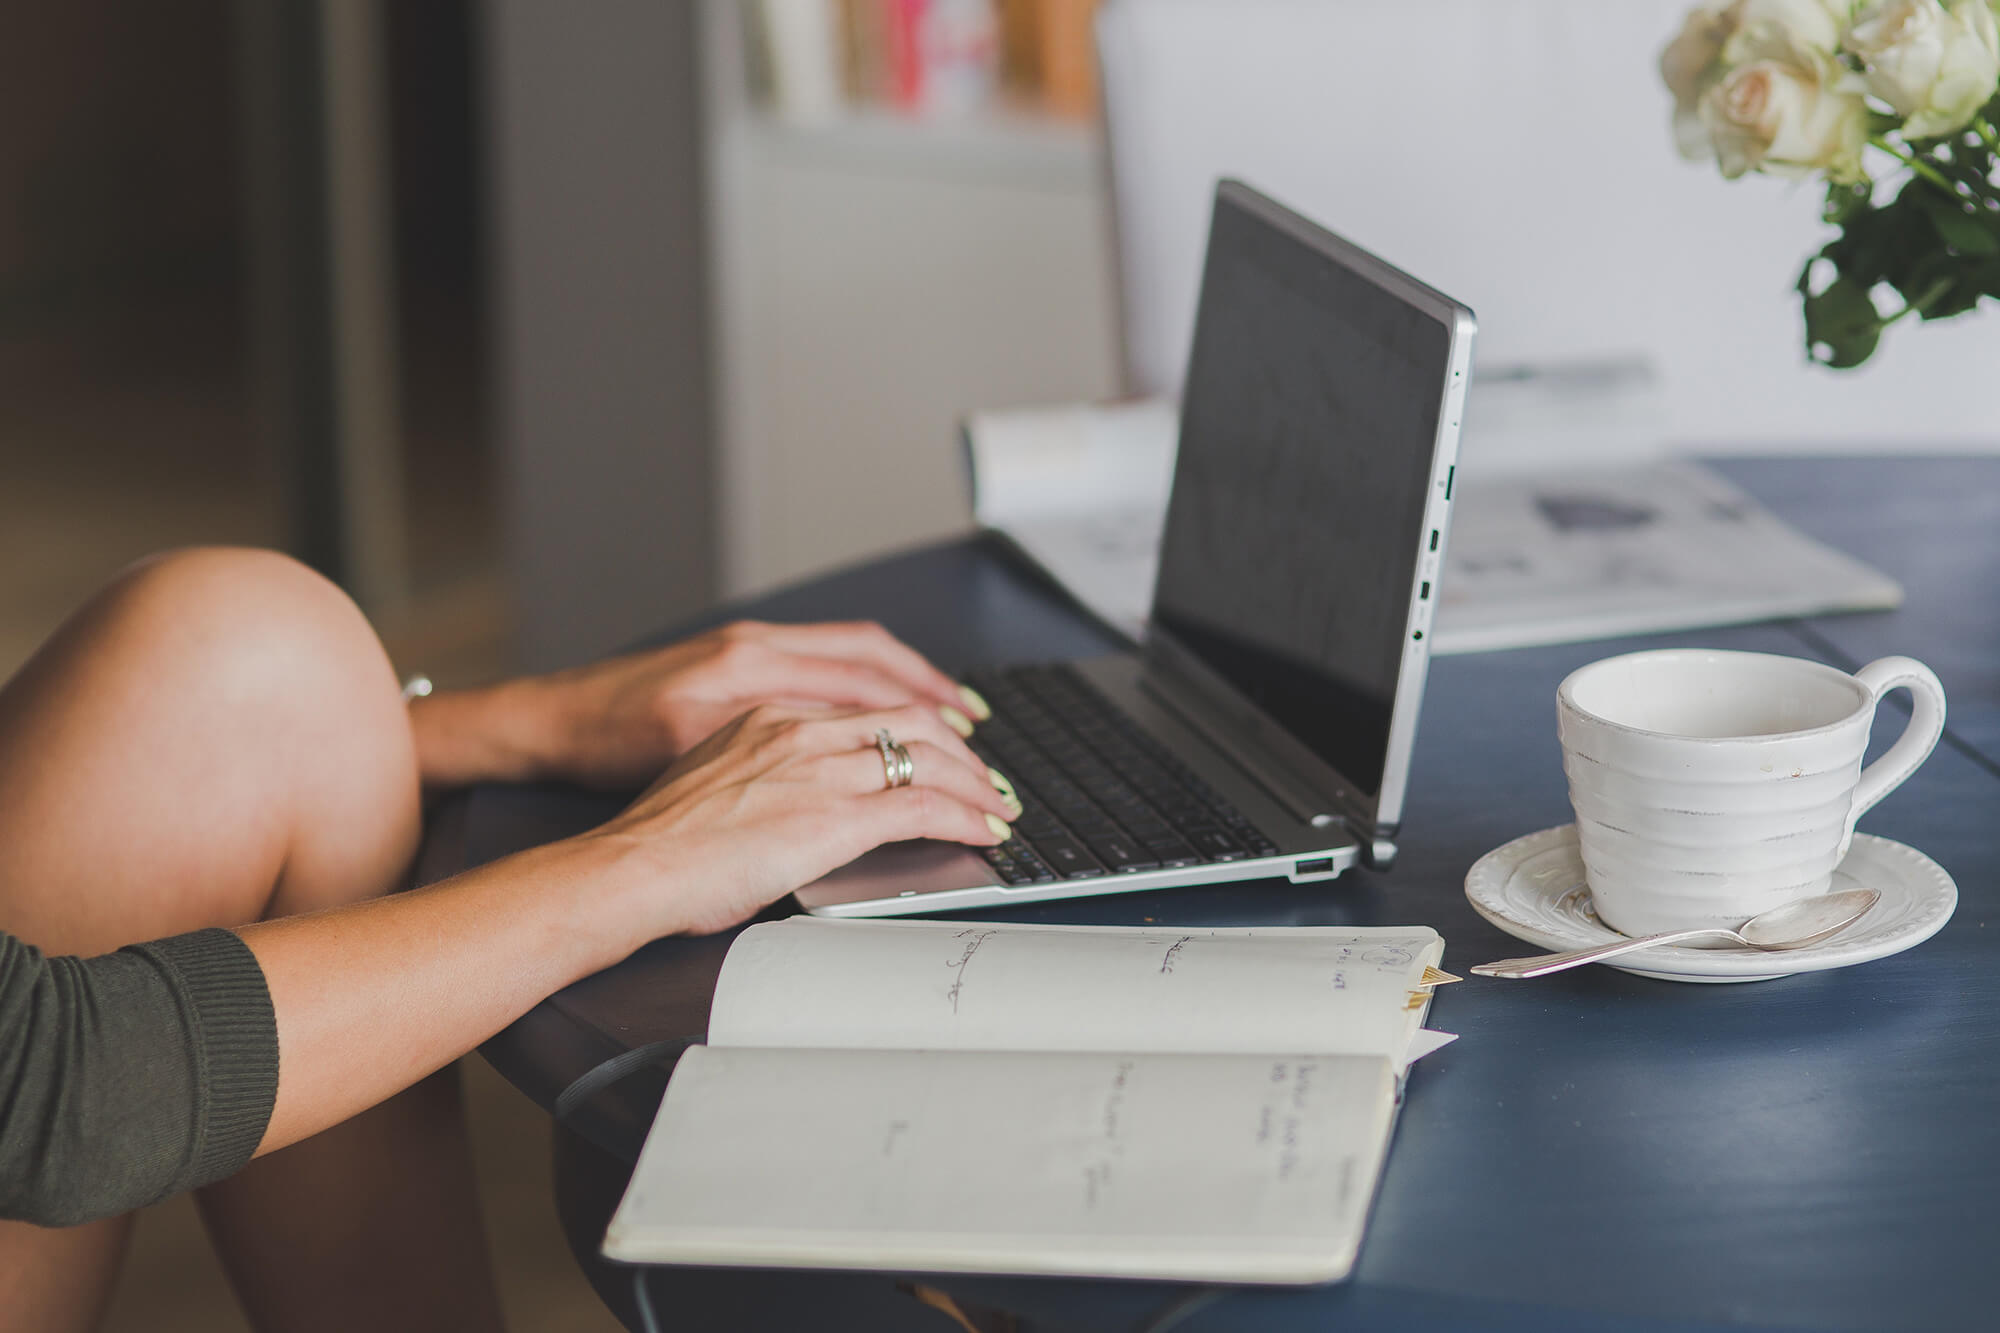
point(1543, 964)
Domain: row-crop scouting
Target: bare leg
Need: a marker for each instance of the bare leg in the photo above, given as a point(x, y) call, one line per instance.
point(215, 739)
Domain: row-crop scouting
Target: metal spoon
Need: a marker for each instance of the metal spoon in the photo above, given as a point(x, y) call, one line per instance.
point(1793, 926)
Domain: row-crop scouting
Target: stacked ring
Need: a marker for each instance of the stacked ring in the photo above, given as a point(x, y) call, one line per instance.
point(897, 767)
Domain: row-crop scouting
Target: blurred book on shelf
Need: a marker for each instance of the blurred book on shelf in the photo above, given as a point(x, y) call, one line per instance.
point(812, 61)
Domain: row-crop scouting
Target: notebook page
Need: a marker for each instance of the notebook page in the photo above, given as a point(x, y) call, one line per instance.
point(1225, 1168)
point(953, 985)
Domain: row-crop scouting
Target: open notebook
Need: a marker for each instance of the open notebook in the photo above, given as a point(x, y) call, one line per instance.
point(1106, 1101)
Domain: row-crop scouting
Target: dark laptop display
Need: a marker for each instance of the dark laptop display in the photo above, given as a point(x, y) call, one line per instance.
point(1307, 430)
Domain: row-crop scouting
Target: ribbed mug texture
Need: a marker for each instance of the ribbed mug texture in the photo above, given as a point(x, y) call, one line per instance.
point(1738, 803)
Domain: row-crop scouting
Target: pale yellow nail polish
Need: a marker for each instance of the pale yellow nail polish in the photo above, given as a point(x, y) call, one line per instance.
point(975, 702)
point(956, 720)
point(1006, 790)
point(999, 827)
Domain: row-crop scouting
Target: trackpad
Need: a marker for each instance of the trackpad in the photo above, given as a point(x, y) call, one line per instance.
point(923, 866)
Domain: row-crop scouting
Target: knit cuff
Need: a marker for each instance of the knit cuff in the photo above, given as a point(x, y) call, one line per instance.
point(235, 1030)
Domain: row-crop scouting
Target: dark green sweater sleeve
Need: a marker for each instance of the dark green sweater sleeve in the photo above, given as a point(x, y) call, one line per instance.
point(131, 1077)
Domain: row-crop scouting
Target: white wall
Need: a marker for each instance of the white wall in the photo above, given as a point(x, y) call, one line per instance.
point(1517, 155)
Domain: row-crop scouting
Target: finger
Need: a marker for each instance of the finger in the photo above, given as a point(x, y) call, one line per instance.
point(782, 674)
point(865, 641)
point(925, 812)
point(913, 722)
point(861, 772)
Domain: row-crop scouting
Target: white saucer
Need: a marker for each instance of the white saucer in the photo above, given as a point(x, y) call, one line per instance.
point(1533, 889)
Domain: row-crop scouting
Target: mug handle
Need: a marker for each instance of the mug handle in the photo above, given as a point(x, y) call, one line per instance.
point(1914, 746)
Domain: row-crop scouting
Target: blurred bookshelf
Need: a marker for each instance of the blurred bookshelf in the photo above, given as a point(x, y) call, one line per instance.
point(908, 221)
point(928, 62)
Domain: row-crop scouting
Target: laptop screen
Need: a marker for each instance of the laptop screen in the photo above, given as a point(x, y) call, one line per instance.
point(1309, 420)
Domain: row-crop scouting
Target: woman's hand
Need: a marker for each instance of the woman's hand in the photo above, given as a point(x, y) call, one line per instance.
point(781, 795)
point(775, 799)
point(618, 723)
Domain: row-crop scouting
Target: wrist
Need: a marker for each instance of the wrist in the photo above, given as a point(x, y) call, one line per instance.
point(508, 732)
point(633, 885)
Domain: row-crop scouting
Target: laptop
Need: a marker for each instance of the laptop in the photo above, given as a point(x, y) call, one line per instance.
point(1264, 726)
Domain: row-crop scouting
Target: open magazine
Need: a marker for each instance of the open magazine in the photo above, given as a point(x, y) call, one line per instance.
point(1556, 556)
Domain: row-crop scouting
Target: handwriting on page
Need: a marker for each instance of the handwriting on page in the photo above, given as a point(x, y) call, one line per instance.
point(973, 939)
point(1287, 1109)
point(1097, 1170)
point(1284, 1111)
point(1173, 951)
point(1386, 957)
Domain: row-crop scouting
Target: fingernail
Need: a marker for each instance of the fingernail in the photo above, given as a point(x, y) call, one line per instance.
point(975, 702)
point(956, 720)
point(999, 781)
point(1013, 804)
point(999, 829)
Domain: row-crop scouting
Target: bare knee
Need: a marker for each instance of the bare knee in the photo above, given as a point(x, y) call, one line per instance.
point(284, 646)
point(241, 704)
point(252, 613)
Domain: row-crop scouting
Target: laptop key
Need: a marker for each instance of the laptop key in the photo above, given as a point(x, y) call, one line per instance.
point(1121, 854)
point(1031, 866)
point(1172, 851)
point(1216, 845)
point(1005, 866)
point(1017, 865)
point(1067, 858)
point(1035, 821)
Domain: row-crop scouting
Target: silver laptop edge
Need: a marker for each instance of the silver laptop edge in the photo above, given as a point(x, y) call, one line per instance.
point(1321, 822)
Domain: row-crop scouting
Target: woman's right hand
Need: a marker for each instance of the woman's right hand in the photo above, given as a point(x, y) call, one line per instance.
point(780, 796)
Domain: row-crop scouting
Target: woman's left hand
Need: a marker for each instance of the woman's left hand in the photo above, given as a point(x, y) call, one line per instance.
point(619, 723)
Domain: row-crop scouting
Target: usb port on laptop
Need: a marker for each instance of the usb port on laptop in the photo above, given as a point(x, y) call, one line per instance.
point(1322, 866)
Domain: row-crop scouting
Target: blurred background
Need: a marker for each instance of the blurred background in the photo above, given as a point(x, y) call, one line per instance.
point(540, 327)
point(456, 301)
point(461, 301)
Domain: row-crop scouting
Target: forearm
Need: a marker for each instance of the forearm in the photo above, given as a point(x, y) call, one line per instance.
point(496, 733)
point(371, 998)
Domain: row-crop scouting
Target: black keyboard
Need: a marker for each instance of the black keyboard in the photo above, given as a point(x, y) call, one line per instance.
point(1098, 795)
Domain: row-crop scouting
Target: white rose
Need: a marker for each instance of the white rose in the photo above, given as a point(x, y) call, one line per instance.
point(1721, 35)
point(1787, 119)
point(1794, 30)
point(1688, 66)
point(1935, 66)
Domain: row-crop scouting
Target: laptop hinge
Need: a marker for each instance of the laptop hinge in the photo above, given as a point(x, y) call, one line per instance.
point(1377, 853)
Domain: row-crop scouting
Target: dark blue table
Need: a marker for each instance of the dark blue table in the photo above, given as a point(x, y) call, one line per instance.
point(1598, 1151)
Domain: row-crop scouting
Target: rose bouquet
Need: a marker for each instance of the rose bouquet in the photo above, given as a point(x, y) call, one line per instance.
point(1894, 103)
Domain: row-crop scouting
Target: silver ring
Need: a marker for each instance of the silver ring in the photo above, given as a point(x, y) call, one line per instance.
point(897, 767)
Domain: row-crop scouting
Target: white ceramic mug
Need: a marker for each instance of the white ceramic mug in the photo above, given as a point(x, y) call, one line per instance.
point(1710, 786)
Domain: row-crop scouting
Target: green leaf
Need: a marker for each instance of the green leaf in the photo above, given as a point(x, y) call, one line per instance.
point(1844, 203)
point(1959, 229)
point(1842, 319)
point(1986, 276)
point(1962, 295)
point(1882, 244)
point(1850, 352)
